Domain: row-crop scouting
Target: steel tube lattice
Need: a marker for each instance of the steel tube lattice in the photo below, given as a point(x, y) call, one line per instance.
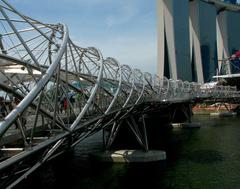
point(54, 93)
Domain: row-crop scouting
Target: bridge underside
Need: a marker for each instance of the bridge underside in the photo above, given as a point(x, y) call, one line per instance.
point(136, 131)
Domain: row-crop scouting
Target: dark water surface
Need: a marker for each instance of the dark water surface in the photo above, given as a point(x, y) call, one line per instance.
point(208, 157)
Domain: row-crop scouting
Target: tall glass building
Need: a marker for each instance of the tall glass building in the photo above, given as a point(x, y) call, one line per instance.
point(195, 37)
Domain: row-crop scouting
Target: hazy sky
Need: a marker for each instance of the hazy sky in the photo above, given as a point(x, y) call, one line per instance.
point(123, 29)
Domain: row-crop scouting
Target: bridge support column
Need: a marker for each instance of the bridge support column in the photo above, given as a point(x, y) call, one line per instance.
point(138, 128)
point(137, 125)
point(184, 110)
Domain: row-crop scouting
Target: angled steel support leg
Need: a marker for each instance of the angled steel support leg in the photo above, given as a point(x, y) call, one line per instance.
point(136, 127)
point(184, 110)
point(139, 130)
point(108, 141)
point(227, 108)
point(145, 132)
point(135, 133)
point(173, 115)
point(22, 131)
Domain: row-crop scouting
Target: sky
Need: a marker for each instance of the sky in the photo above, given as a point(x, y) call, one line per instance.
point(123, 29)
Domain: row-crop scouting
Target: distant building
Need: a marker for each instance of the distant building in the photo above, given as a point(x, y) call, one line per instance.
point(230, 1)
point(193, 38)
point(208, 39)
point(173, 39)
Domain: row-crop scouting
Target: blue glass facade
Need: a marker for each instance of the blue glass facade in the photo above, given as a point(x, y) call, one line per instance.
point(208, 39)
point(197, 53)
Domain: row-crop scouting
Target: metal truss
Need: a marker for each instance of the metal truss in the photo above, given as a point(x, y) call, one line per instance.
point(55, 94)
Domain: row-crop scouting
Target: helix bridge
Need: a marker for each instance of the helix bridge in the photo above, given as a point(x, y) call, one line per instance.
point(54, 94)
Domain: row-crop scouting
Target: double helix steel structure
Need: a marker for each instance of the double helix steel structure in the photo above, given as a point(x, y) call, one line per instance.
point(54, 94)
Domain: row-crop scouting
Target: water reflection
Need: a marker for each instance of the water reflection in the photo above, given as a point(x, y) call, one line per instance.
point(208, 157)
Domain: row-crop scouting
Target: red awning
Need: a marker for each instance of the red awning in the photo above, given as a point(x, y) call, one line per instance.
point(237, 54)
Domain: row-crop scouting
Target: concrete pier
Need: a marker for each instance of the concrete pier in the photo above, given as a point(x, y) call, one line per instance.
point(186, 125)
point(224, 114)
point(129, 156)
